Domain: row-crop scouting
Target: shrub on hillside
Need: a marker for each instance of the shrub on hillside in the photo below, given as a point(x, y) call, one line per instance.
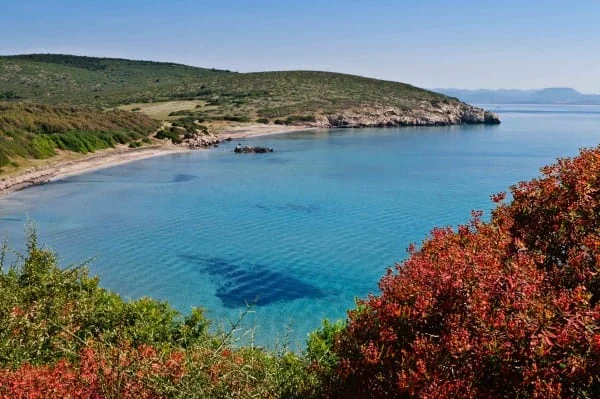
point(295, 119)
point(167, 134)
point(290, 120)
point(507, 308)
point(236, 118)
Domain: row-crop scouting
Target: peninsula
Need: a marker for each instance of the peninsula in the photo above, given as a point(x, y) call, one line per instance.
point(57, 109)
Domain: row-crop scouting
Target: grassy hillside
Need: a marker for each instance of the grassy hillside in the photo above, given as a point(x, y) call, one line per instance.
point(58, 79)
point(37, 131)
point(304, 93)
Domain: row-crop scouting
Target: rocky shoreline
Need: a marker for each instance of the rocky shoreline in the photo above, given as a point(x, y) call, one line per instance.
point(443, 114)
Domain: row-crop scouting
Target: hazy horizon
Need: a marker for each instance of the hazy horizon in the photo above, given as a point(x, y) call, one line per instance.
point(464, 44)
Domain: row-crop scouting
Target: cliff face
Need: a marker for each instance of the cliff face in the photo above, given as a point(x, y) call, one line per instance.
point(426, 115)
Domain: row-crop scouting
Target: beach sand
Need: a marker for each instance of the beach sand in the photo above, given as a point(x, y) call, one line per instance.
point(61, 168)
point(257, 130)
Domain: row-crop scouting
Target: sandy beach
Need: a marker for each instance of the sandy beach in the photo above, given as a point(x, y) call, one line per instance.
point(58, 169)
point(55, 169)
point(252, 131)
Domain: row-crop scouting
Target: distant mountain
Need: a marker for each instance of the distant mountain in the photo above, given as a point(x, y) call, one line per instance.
point(552, 95)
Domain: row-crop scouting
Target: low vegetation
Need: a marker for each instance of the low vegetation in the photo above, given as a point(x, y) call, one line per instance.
point(507, 308)
point(168, 135)
point(36, 131)
point(64, 336)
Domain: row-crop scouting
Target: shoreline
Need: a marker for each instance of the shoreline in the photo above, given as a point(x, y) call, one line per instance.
point(253, 131)
point(62, 168)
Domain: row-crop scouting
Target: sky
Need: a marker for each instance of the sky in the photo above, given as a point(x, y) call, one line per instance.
point(524, 44)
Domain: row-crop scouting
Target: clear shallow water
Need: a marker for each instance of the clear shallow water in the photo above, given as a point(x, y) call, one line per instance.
point(304, 230)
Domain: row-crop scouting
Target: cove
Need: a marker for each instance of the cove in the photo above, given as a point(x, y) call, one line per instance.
point(296, 234)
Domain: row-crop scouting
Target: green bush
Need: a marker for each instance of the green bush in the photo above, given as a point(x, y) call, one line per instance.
point(184, 112)
point(236, 118)
point(262, 120)
point(48, 313)
point(290, 120)
point(42, 147)
point(166, 134)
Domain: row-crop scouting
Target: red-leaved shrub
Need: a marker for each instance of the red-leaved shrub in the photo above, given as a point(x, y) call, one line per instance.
point(507, 308)
point(118, 372)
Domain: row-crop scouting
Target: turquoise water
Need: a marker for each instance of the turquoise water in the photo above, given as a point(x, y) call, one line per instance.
point(300, 232)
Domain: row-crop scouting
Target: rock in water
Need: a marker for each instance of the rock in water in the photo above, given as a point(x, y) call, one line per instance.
point(490, 118)
point(251, 150)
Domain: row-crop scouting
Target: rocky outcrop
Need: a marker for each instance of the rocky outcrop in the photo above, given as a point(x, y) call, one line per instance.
point(491, 118)
point(202, 141)
point(251, 150)
point(440, 114)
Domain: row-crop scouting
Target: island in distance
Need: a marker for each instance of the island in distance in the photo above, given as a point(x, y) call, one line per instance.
point(552, 95)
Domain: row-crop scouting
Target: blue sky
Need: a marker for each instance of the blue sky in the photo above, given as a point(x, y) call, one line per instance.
point(460, 43)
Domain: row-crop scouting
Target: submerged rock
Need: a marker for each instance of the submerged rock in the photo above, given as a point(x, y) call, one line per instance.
point(251, 150)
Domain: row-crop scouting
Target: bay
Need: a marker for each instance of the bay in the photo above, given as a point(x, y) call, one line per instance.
point(297, 234)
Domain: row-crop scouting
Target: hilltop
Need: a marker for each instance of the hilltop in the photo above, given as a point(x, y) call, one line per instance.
point(284, 97)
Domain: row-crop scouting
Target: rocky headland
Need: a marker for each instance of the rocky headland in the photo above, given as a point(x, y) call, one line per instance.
point(442, 114)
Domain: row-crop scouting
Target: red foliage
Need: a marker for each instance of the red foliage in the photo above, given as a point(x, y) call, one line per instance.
point(507, 308)
point(122, 372)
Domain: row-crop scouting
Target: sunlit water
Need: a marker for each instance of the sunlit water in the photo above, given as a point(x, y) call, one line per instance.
point(300, 232)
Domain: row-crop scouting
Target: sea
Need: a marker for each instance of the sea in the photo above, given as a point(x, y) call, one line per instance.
point(272, 244)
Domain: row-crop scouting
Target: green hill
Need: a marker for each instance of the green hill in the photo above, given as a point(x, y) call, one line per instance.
point(51, 101)
point(302, 95)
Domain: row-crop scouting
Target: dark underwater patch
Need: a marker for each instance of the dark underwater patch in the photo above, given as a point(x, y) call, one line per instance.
point(9, 219)
point(300, 208)
point(240, 284)
point(180, 178)
point(278, 161)
point(291, 207)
